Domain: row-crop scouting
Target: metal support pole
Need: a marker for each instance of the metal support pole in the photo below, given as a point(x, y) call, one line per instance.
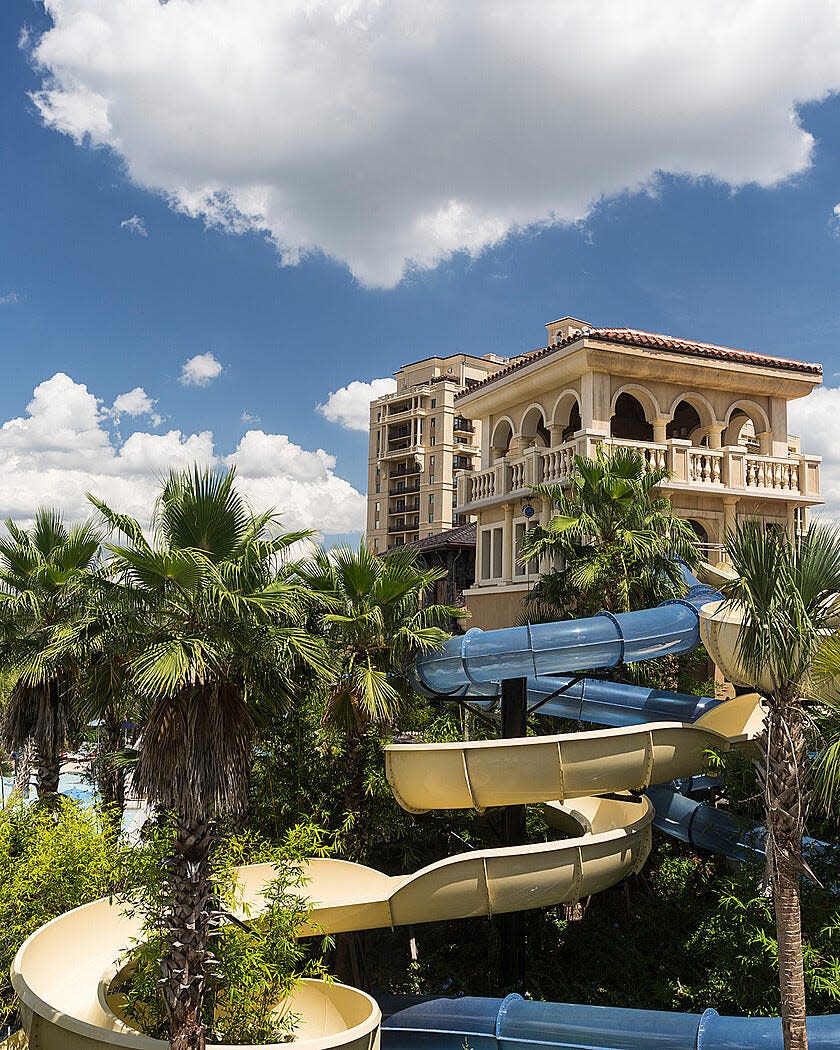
point(511, 930)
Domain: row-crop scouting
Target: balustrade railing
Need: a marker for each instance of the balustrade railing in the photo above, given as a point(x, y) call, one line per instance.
point(707, 468)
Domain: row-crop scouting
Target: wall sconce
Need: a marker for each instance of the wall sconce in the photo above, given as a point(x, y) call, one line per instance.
point(528, 508)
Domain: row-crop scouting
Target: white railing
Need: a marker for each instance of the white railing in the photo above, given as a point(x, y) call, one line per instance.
point(762, 472)
point(727, 469)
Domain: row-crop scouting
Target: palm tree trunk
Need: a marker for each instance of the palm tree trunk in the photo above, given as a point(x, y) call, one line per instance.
point(24, 758)
point(786, 799)
point(188, 962)
point(111, 777)
point(49, 770)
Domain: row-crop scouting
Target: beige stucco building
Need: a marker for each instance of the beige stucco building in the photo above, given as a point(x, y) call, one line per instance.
point(418, 444)
point(716, 417)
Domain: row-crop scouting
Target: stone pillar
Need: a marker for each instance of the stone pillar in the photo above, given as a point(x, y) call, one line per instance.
point(715, 434)
point(507, 544)
point(660, 430)
point(730, 516)
point(556, 431)
point(765, 442)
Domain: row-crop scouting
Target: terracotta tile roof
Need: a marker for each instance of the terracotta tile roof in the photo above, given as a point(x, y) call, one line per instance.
point(655, 341)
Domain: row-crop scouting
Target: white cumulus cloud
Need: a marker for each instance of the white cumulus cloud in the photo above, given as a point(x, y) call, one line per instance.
point(136, 224)
point(390, 135)
point(135, 402)
point(200, 370)
point(349, 406)
point(64, 446)
point(814, 419)
point(9, 299)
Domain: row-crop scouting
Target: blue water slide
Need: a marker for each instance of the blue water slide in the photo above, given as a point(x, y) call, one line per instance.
point(540, 649)
point(602, 703)
point(515, 1023)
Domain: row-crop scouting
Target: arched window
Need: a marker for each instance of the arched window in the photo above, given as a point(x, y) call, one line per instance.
point(629, 420)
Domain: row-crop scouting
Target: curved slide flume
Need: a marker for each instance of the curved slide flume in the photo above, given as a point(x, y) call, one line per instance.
point(61, 974)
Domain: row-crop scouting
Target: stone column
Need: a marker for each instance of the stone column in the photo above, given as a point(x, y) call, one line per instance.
point(730, 516)
point(556, 431)
point(507, 544)
point(715, 434)
point(660, 430)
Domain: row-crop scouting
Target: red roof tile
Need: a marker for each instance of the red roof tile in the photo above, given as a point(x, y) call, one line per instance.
point(655, 341)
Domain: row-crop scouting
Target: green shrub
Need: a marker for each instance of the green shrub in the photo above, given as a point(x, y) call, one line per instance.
point(260, 959)
point(52, 860)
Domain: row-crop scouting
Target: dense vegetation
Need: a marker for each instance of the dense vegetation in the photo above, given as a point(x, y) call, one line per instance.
point(247, 682)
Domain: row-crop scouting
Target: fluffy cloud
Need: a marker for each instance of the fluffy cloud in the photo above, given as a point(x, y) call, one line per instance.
point(9, 299)
point(349, 406)
point(200, 370)
point(63, 447)
point(390, 136)
point(815, 418)
point(135, 402)
point(135, 224)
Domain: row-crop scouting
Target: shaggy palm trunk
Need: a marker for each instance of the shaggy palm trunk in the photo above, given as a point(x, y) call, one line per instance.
point(24, 760)
point(188, 962)
point(786, 799)
point(109, 776)
point(49, 770)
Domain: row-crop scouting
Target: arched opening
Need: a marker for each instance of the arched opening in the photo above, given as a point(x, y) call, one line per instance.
point(700, 531)
point(741, 430)
point(500, 442)
point(686, 421)
point(629, 420)
point(567, 416)
point(534, 431)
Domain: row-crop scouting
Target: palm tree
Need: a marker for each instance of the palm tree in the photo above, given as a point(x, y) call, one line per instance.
point(787, 591)
point(213, 625)
point(43, 573)
point(618, 542)
point(375, 621)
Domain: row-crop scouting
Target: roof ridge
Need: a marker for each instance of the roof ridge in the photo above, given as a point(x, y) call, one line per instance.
point(654, 341)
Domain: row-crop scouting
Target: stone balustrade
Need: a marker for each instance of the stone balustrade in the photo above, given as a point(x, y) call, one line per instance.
point(731, 469)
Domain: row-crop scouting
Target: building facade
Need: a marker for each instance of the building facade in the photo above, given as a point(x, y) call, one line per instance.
point(716, 417)
point(418, 445)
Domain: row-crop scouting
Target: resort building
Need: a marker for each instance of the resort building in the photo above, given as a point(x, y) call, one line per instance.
point(716, 417)
point(418, 444)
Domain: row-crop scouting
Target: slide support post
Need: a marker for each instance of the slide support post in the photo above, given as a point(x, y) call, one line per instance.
point(511, 929)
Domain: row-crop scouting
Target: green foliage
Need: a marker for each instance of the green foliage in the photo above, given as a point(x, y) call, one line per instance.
point(52, 860)
point(260, 958)
point(618, 542)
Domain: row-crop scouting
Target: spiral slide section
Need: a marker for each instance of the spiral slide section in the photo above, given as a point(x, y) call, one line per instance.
point(63, 972)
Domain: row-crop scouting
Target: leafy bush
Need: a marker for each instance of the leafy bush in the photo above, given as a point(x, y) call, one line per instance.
point(260, 960)
point(52, 860)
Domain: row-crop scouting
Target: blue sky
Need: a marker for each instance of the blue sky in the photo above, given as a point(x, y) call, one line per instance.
point(743, 250)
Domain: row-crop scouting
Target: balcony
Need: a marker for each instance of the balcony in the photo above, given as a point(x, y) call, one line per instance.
point(406, 451)
point(405, 506)
point(404, 472)
point(734, 470)
point(463, 426)
point(405, 489)
point(404, 526)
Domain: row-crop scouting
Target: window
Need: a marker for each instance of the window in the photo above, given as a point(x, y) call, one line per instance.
point(431, 479)
point(431, 462)
point(532, 568)
point(434, 402)
point(376, 545)
point(377, 508)
point(432, 440)
point(491, 553)
point(431, 516)
point(431, 498)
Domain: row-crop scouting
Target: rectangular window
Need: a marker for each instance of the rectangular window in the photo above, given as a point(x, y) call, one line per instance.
point(486, 550)
point(431, 498)
point(431, 517)
point(434, 402)
point(432, 441)
point(431, 462)
point(377, 508)
point(532, 568)
point(497, 554)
